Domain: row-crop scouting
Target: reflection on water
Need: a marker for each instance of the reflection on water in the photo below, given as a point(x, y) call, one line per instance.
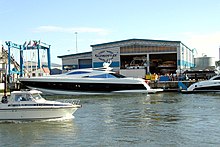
point(157, 112)
point(163, 119)
point(32, 133)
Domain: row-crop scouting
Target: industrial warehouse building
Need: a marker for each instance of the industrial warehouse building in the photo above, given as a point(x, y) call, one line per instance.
point(134, 57)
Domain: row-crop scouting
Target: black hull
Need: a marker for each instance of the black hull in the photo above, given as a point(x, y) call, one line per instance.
point(84, 87)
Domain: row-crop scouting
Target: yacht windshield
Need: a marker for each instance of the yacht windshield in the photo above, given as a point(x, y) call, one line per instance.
point(37, 96)
point(77, 72)
point(107, 75)
point(117, 75)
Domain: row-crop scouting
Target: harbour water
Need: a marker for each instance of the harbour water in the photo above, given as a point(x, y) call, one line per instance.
point(163, 119)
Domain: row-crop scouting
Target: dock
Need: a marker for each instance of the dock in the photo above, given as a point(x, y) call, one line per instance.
point(169, 86)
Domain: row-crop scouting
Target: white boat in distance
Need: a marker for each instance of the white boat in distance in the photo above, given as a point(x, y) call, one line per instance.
point(30, 105)
point(88, 82)
point(211, 85)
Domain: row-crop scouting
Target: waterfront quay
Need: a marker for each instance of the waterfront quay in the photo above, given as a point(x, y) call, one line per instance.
point(169, 85)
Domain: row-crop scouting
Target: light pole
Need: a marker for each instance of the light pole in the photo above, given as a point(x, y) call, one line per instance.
point(76, 42)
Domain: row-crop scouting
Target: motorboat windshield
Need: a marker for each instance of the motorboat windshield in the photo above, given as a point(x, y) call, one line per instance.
point(25, 96)
point(37, 96)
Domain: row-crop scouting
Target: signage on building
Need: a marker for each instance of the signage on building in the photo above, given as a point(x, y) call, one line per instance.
point(106, 55)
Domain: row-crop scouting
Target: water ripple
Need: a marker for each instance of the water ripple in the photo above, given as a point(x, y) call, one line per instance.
point(165, 119)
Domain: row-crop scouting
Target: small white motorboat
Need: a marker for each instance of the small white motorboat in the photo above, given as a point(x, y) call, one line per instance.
point(30, 105)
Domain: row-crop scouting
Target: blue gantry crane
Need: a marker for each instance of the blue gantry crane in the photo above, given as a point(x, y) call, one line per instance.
point(28, 45)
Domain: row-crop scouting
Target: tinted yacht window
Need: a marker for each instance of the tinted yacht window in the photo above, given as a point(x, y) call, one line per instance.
point(217, 78)
point(117, 75)
point(103, 76)
point(77, 72)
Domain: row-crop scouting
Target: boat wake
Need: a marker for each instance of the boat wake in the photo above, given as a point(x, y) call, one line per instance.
point(59, 119)
point(67, 118)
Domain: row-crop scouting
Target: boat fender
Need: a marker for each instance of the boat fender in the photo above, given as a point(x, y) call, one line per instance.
point(4, 99)
point(147, 81)
point(182, 86)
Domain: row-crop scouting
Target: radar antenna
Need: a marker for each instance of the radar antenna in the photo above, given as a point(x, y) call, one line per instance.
point(107, 64)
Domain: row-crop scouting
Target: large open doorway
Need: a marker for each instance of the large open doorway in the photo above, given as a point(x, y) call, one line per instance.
point(133, 61)
point(163, 63)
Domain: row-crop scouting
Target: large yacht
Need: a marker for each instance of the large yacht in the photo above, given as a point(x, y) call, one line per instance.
point(30, 105)
point(88, 81)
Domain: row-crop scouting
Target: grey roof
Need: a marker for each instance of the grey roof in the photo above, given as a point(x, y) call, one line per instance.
point(134, 39)
point(74, 54)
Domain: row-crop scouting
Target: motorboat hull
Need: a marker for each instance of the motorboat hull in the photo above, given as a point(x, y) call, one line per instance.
point(25, 113)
